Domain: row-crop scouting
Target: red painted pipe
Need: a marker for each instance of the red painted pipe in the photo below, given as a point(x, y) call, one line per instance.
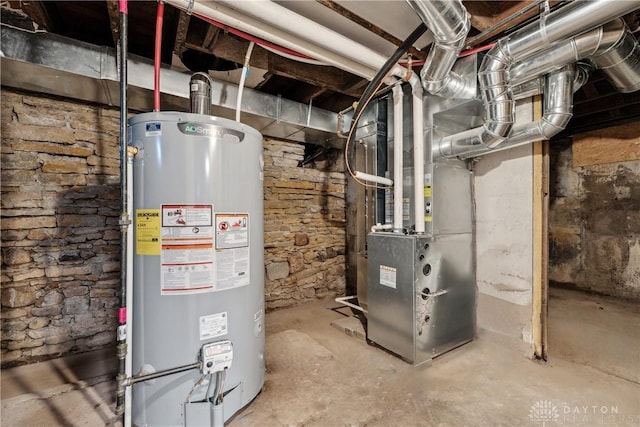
point(157, 57)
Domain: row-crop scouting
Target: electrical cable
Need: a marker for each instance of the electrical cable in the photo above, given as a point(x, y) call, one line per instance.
point(196, 385)
point(373, 86)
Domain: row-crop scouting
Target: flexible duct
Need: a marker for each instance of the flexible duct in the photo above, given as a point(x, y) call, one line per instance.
point(450, 24)
point(495, 85)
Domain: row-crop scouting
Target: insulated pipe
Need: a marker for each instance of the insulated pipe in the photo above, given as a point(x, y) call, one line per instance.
point(373, 178)
point(296, 32)
point(450, 24)
point(398, 137)
point(575, 18)
point(124, 220)
point(558, 110)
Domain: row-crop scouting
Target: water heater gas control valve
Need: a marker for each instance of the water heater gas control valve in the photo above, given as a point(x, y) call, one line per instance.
point(216, 356)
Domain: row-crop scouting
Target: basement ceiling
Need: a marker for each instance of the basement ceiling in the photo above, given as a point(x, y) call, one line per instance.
point(195, 45)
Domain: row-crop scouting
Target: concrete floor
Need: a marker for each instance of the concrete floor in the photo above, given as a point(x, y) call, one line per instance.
point(317, 375)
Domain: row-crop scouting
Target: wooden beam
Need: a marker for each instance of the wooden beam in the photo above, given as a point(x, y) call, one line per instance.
point(114, 20)
point(493, 18)
point(611, 145)
point(540, 239)
point(181, 33)
point(233, 49)
point(39, 13)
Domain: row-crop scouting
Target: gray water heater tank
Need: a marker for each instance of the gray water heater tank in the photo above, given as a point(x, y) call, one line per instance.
point(198, 262)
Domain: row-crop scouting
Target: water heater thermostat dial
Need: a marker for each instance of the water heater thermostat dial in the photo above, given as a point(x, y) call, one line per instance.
point(216, 356)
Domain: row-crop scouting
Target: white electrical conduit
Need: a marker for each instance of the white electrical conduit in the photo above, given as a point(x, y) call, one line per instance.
point(295, 32)
point(397, 157)
point(245, 71)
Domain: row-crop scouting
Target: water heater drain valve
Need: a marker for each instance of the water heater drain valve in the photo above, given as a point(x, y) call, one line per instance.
point(216, 356)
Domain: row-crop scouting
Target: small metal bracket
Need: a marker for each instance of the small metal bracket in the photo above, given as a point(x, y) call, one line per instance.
point(190, 6)
point(278, 108)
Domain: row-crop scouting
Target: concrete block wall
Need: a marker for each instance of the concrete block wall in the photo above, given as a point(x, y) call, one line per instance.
point(60, 238)
point(594, 225)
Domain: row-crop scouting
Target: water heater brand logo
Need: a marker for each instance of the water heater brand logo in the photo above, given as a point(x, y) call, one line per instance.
point(201, 129)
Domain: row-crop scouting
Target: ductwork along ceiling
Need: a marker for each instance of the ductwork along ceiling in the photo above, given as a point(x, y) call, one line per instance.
point(313, 59)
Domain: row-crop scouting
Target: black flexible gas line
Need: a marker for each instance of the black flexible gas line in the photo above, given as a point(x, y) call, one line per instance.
point(373, 84)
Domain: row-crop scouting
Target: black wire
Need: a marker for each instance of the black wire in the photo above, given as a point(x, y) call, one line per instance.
point(371, 87)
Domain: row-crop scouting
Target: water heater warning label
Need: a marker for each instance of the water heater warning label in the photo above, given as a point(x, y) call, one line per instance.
point(147, 225)
point(187, 249)
point(388, 276)
point(232, 250)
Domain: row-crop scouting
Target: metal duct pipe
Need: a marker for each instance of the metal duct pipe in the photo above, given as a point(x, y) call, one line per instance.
point(536, 86)
point(450, 24)
point(200, 93)
point(575, 18)
point(621, 63)
point(558, 110)
point(612, 47)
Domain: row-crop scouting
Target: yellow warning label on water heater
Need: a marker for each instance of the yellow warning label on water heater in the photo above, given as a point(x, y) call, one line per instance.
point(147, 223)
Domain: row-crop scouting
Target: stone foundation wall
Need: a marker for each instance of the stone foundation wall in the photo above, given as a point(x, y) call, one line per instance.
point(594, 224)
point(61, 242)
point(304, 229)
point(60, 239)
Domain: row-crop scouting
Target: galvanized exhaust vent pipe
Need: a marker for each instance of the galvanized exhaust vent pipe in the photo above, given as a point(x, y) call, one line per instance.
point(494, 77)
point(200, 93)
point(450, 24)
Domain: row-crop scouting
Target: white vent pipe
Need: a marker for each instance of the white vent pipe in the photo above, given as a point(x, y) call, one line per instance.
point(398, 137)
point(261, 18)
point(418, 153)
point(575, 18)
